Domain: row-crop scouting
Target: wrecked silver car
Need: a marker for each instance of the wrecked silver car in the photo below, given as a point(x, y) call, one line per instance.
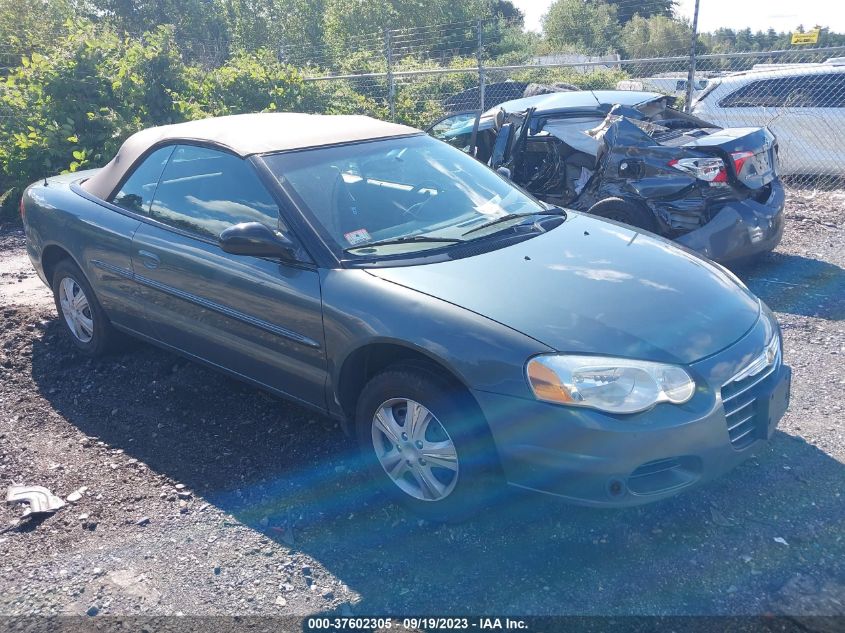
point(630, 156)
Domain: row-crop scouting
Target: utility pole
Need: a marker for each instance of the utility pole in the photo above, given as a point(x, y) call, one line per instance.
point(391, 81)
point(481, 81)
point(691, 71)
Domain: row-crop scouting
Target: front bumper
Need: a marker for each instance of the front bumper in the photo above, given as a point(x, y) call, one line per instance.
point(595, 459)
point(741, 229)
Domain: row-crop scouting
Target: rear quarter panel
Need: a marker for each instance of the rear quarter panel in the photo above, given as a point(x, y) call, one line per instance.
point(96, 237)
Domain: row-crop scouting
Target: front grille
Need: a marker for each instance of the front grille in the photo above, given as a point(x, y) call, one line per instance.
point(743, 410)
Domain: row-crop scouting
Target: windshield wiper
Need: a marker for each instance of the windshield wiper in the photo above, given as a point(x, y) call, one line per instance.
point(513, 216)
point(408, 239)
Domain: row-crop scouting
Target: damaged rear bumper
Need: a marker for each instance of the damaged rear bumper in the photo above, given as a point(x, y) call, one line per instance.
point(741, 229)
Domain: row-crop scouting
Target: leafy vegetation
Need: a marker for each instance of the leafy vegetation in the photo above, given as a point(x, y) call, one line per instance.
point(582, 26)
point(78, 76)
point(71, 109)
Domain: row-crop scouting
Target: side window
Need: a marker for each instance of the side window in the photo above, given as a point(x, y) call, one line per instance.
point(799, 91)
point(768, 93)
point(206, 191)
point(828, 91)
point(137, 192)
point(455, 130)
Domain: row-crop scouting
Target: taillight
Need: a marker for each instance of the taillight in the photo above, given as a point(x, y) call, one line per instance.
point(710, 170)
point(22, 209)
point(739, 159)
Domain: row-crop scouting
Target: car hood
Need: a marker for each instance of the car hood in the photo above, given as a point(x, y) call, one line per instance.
point(595, 286)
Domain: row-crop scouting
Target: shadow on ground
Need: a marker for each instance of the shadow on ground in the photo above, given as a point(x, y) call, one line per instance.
point(797, 285)
point(291, 474)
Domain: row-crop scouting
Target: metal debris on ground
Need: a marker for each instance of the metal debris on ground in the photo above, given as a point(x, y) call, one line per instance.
point(39, 498)
point(76, 495)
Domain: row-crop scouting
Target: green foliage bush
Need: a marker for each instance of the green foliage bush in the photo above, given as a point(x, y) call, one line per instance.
point(247, 82)
point(418, 98)
point(596, 79)
point(71, 108)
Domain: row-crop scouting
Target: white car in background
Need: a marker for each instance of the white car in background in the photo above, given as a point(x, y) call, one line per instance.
point(671, 84)
point(802, 104)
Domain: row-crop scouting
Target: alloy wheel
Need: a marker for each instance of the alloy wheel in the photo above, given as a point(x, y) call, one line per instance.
point(415, 450)
point(76, 310)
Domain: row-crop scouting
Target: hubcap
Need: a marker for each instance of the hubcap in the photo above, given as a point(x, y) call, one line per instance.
point(76, 310)
point(415, 450)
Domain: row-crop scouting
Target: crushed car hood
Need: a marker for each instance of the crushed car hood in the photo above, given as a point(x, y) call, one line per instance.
point(593, 286)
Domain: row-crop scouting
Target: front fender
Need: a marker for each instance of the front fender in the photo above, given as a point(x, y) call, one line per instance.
point(360, 309)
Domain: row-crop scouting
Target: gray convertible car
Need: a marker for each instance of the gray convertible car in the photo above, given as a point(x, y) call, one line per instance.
point(464, 333)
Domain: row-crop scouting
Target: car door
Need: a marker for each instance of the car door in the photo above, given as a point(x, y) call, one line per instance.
point(109, 254)
point(256, 317)
point(818, 124)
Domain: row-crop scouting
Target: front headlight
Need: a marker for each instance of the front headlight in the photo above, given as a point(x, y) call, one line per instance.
point(772, 335)
point(615, 385)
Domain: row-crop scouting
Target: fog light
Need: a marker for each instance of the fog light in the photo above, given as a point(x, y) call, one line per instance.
point(615, 487)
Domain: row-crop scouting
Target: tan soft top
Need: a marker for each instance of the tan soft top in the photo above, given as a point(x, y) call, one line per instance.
point(245, 135)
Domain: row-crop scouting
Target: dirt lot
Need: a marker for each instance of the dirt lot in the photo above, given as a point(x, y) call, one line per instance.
point(204, 496)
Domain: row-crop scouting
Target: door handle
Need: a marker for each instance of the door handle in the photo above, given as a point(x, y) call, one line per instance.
point(150, 260)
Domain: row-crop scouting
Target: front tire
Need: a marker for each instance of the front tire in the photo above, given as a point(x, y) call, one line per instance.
point(84, 319)
point(425, 444)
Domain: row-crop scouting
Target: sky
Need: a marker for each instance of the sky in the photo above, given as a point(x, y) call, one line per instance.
point(781, 15)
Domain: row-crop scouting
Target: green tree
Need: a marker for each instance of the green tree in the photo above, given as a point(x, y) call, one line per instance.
point(627, 9)
point(291, 28)
point(28, 27)
point(200, 26)
point(589, 27)
point(657, 36)
point(350, 25)
point(506, 10)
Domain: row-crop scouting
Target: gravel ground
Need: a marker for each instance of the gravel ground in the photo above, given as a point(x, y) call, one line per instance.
point(205, 496)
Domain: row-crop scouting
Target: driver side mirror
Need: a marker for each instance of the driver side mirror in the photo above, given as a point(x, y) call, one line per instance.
point(258, 240)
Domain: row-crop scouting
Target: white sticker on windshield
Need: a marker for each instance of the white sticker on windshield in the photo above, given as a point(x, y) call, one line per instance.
point(358, 236)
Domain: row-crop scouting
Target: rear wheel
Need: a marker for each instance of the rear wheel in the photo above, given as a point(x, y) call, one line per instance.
point(80, 312)
point(425, 444)
point(625, 211)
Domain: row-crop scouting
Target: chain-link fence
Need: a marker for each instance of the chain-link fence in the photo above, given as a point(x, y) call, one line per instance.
point(799, 94)
point(413, 75)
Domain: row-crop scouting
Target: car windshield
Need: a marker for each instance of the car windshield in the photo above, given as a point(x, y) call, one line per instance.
point(399, 195)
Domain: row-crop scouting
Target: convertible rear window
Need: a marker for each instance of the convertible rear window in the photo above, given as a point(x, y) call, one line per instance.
point(136, 193)
point(415, 189)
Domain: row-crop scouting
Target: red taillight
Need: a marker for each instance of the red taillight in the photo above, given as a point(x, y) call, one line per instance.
point(739, 159)
point(710, 170)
